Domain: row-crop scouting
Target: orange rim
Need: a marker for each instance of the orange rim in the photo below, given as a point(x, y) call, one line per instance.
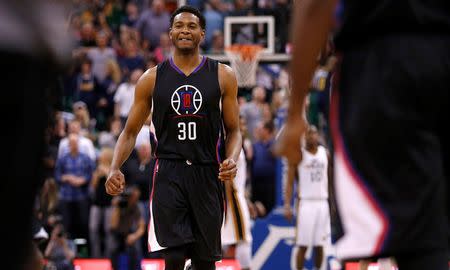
point(247, 51)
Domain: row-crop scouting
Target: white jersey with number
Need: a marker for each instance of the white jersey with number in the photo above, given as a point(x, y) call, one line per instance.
point(313, 216)
point(313, 175)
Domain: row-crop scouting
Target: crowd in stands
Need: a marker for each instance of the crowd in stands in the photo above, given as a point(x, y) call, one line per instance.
point(116, 41)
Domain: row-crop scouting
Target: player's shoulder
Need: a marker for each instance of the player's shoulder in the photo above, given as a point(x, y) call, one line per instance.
point(227, 78)
point(226, 69)
point(147, 79)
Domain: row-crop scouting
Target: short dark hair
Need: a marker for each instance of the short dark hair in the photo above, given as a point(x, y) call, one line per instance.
point(191, 10)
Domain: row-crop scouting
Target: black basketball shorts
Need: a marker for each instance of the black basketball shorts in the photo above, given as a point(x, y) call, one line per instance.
point(389, 108)
point(186, 207)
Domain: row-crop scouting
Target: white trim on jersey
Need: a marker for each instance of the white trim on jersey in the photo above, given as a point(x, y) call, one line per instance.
point(364, 223)
point(152, 241)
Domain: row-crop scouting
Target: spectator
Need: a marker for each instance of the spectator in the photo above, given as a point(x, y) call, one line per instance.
point(153, 22)
point(217, 43)
point(132, 59)
point(263, 167)
point(85, 145)
point(73, 173)
point(128, 226)
point(131, 15)
point(81, 113)
point(253, 110)
point(214, 20)
point(87, 35)
point(165, 48)
point(100, 55)
point(125, 95)
point(100, 211)
point(47, 209)
point(109, 86)
point(60, 251)
point(87, 87)
point(109, 138)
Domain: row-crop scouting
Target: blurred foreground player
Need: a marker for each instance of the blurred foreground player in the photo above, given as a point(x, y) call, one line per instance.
point(195, 101)
point(391, 152)
point(32, 46)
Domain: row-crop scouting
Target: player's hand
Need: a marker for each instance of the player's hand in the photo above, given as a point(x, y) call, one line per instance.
point(288, 212)
point(115, 184)
point(287, 143)
point(227, 170)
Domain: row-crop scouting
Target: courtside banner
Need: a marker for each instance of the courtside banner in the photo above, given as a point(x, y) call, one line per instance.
point(146, 264)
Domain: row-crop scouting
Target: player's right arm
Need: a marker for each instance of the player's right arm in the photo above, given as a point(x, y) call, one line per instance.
point(312, 22)
point(138, 114)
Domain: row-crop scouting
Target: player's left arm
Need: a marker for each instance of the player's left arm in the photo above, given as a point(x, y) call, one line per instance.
point(230, 109)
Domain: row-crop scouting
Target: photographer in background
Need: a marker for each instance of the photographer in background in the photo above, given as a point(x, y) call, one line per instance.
point(127, 227)
point(60, 250)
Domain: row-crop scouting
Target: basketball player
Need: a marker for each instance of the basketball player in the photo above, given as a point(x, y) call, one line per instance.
point(236, 233)
point(313, 215)
point(391, 148)
point(195, 100)
point(33, 49)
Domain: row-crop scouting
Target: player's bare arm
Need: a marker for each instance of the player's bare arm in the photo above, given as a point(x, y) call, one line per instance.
point(290, 174)
point(230, 108)
point(310, 29)
point(139, 113)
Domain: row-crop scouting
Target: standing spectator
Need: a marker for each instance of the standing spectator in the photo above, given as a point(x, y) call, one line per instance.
point(108, 138)
point(125, 95)
point(214, 20)
point(253, 111)
point(73, 173)
point(109, 86)
point(263, 167)
point(100, 213)
point(85, 145)
point(153, 22)
point(138, 172)
point(131, 16)
point(87, 35)
point(87, 86)
point(81, 113)
point(128, 226)
point(100, 55)
point(132, 59)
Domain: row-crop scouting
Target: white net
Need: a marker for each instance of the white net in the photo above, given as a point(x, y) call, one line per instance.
point(244, 63)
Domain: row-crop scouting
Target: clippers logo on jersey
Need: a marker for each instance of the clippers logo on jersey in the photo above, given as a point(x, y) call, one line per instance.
point(186, 100)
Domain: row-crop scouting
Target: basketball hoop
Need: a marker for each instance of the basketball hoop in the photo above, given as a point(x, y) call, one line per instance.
point(244, 59)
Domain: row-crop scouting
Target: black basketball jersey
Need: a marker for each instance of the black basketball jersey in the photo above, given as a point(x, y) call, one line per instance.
point(187, 113)
point(362, 20)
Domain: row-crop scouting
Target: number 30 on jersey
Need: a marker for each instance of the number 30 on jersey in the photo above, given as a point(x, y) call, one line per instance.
point(187, 131)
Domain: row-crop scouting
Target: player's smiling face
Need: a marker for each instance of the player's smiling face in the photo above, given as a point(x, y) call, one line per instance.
point(186, 32)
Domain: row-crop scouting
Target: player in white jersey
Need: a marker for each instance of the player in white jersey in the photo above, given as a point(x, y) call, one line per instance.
point(236, 233)
point(313, 214)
